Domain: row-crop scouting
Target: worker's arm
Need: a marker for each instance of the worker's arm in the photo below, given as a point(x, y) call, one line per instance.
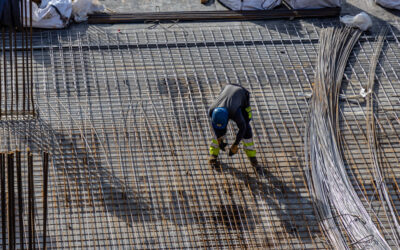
point(219, 132)
point(242, 125)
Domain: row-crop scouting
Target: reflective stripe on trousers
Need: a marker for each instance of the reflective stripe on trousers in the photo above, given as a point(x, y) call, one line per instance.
point(249, 147)
point(214, 147)
point(248, 110)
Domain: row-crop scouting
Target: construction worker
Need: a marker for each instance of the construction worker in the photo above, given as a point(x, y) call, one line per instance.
point(232, 103)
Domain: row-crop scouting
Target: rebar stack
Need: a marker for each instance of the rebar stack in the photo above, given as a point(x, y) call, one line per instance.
point(227, 15)
point(387, 203)
point(338, 203)
point(16, 71)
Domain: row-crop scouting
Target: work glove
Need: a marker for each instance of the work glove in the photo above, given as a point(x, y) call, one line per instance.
point(222, 144)
point(234, 149)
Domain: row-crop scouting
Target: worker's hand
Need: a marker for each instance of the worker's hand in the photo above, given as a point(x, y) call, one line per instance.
point(221, 143)
point(234, 149)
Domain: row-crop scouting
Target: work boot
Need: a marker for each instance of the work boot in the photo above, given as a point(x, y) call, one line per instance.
point(213, 161)
point(253, 162)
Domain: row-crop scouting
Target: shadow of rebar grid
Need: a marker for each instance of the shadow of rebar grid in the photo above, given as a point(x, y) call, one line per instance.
point(124, 116)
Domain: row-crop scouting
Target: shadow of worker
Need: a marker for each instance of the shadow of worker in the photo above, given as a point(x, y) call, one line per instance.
point(295, 212)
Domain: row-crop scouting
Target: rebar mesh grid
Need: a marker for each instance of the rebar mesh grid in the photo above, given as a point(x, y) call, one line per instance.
point(124, 117)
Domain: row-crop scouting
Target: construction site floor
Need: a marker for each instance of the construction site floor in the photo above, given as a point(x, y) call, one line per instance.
point(122, 111)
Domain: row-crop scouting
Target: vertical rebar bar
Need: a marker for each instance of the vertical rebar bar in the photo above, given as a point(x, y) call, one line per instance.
point(31, 210)
point(20, 199)
point(25, 57)
point(16, 72)
point(45, 186)
point(5, 69)
point(31, 59)
point(11, 202)
point(3, 201)
point(23, 37)
point(1, 76)
point(11, 68)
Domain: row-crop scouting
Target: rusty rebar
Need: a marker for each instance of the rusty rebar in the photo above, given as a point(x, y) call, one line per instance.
point(23, 37)
point(11, 68)
point(5, 70)
point(3, 202)
point(25, 58)
point(11, 202)
point(31, 206)
point(20, 199)
point(16, 71)
point(2, 52)
point(226, 15)
point(16, 92)
point(45, 186)
point(31, 59)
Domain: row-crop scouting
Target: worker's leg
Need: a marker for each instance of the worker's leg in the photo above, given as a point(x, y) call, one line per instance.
point(215, 146)
point(214, 151)
point(249, 147)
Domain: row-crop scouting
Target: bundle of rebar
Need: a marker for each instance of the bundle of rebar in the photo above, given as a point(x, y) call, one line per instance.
point(11, 166)
point(380, 183)
point(210, 15)
point(16, 71)
point(342, 214)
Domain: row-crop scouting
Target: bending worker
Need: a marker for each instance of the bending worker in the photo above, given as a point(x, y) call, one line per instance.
point(232, 103)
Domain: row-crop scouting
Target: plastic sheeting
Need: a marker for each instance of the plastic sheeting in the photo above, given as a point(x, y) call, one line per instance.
point(313, 4)
point(250, 4)
point(81, 8)
point(56, 14)
point(51, 14)
point(361, 21)
point(392, 4)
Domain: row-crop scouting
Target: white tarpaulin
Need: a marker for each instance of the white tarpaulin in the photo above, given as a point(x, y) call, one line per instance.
point(56, 14)
point(392, 4)
point(250, 4)
point(52, 14)
point(313, 4)
point(81, 8)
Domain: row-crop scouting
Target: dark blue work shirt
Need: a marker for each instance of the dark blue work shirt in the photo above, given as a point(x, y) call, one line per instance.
point(235, 99)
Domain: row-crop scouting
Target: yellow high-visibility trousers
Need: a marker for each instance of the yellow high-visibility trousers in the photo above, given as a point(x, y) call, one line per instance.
point(249, 147)
point(214, 147)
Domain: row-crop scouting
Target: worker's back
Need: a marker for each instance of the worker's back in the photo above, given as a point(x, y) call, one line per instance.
point(232, 98)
